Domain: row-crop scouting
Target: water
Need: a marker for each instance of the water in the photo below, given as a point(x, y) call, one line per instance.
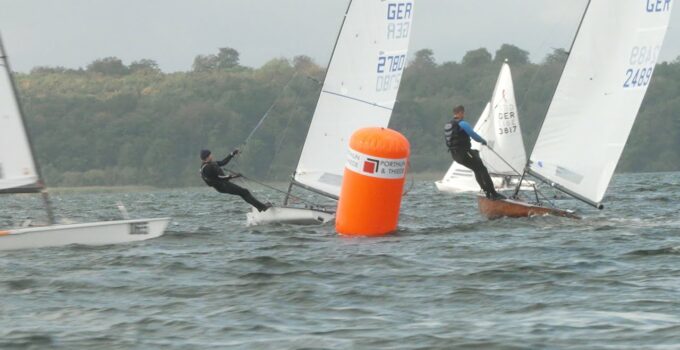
point(447, 279)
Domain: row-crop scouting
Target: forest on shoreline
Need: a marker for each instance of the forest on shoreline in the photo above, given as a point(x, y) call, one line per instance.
point(112, 124)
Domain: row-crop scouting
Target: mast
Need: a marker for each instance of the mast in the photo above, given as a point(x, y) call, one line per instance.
point(41, 183)
point(571, 47)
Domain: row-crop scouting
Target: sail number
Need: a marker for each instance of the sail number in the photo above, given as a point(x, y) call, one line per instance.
point(139, 228)
point(391, 64)
point(507, 130)
point(644, 55)
point(507, 124)
point(638, 77)
point(389, 71)
point(399, 10)
point(658, 5)
point(399, 16)
point(642, 61)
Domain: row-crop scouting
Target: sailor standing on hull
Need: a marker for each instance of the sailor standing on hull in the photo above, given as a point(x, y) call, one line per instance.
point(458, 133)
point(213, 176)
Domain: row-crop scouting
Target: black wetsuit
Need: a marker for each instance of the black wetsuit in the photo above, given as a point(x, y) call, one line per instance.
point(458, 142)
point(214, 176)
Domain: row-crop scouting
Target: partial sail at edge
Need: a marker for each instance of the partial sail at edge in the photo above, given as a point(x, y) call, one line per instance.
point(360, 88)
point(18, 172)
point(599, 95)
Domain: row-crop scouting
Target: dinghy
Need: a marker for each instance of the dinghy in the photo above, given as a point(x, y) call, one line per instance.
point(499, 126)
point(360, 90)
point(20, 173)
point(605, 79)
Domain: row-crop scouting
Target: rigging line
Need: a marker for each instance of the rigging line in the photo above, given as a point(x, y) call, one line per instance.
point(271, 107)
point(276, 189)
point(244, 144)
point(284, 134)
point(550, 34)
point(564, 68)
point(537, 193)
point(552, 204)
point(504, 161)
point(413, 180)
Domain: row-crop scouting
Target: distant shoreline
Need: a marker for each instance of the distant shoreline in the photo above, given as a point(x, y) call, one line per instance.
point(423, 176)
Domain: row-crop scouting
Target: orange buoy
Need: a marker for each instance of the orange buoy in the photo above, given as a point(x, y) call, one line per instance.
point(372, 183)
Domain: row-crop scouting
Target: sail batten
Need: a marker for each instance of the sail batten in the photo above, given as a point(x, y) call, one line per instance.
point(606, 76)
point(374, 104)
point(360, 88)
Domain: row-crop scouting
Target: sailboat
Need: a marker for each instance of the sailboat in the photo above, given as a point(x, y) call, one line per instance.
point(20, 173)
point(597, 99)
point(359, 90)
point(499, 126)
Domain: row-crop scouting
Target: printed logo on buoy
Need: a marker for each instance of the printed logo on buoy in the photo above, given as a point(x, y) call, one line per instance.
point(371, 165)
point(384, 168)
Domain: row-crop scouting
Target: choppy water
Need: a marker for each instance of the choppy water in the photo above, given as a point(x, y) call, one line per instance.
point(447, 279)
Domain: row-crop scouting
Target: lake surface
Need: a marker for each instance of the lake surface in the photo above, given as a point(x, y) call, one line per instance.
point(447, 279)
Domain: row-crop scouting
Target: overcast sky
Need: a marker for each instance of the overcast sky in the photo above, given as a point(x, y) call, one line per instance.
point(73, 33)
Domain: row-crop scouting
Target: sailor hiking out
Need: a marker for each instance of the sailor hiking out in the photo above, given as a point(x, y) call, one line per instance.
point(457, 133)
point(214, 176)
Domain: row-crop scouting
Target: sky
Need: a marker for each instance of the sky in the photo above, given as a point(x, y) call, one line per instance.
point(73, 33)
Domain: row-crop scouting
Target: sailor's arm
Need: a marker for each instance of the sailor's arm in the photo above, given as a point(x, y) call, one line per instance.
point(228, 158)
point(468, 130)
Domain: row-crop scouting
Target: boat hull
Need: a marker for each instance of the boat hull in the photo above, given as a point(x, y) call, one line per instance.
point(289, 216)
point(470, 185)
point(96, 233)
point(495, 209)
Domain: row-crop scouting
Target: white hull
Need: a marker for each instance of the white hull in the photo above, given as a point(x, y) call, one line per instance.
point(95, 233)
point(289, 216)
point(469, 184)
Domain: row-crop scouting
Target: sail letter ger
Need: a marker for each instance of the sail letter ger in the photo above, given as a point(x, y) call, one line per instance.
point(373, 183)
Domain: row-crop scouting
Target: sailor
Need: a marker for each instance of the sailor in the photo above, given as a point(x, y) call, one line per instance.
point(458, 133)
point(213, 175)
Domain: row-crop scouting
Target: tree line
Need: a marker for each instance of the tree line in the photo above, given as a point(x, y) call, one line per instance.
point(116, 124)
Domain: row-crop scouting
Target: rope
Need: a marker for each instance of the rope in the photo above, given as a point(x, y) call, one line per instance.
point(245, 178)
point(413, 181)
point(518, 173)
point(266, 114)
point(504, 161)
point(244, 144)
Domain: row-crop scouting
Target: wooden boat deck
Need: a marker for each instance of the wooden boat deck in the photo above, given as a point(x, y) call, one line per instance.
point(495, 209)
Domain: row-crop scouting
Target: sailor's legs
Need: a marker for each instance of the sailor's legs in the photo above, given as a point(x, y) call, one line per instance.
point(230, 188)
point(471, 160)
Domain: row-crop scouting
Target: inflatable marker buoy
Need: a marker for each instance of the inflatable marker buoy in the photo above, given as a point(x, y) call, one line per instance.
point(372, 183)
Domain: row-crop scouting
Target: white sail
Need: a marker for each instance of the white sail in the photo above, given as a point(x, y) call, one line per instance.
point(360, 88)
point(502, 131)
point(17, 167)
point(599, 95)
point(499, 125)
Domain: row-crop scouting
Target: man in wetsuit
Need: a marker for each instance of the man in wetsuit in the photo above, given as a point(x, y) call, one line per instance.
point(213, 175)
point(458, 133)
